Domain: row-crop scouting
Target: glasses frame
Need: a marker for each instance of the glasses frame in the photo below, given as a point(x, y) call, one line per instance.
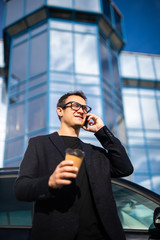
point(80, 106)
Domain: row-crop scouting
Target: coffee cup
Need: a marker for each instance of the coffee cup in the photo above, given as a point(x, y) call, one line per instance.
point(75, 155)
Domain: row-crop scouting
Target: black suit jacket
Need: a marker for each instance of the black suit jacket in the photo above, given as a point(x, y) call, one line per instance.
point(55, 212)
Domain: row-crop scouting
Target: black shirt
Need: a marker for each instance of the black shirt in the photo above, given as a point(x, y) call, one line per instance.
point(90, 227)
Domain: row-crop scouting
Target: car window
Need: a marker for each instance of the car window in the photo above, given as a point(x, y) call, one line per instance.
point(12, 211)
point(135, 211)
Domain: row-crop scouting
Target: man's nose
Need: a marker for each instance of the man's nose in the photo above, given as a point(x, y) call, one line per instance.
point(80, 110)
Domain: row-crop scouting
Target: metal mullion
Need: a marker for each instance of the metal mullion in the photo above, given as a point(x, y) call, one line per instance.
point(26, 92)
point(48, 104)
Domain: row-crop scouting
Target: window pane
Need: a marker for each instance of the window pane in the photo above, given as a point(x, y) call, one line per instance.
point(128, 90)
point(37, 113)
point(17, 88)
point(149, 111)
point(154, 156)
point(109, 115)
point(139, 159)
point(136, 141)
point(104, 61)
point(38, 29)
point(107, 9)
point(1, 54)
point(86, 59)
point(107, 92)
point(156, 183)
point(16, 98)
point(61, 87)
point(88, 89)
point(32, 5)
point(62, 77)
point(135, 211)
point(121, 127)
point(135, 133)
point(128, 66)
point(89, 5)
point(38, 61)
point(15, 121)
point(95, 104)
point(21, 38)
point(14, 163)
point(132, 112)
point(35, 134)
point(147, 92)
point(146, 67)
point(12, 211)
point(118, 22)
point(143, 180)
point(37, 80)
point(14, 11)
point(157, 67)
point(60, 3)
point(19, 63)
point(81, 79)
point(61, 25)
point(84, 28)
point(37, 90)
point(153, 137)
point(54, 120)
point(152, 134)
point(158, 104)
point(14, 148)
point(61, 58)
point(115, 71)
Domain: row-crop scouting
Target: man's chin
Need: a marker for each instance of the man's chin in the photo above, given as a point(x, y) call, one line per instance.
point(79, 125)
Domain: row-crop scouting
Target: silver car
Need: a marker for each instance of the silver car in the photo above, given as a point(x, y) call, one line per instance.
point(138, 209)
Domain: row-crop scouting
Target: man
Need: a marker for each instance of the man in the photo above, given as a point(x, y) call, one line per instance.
point(72, 205)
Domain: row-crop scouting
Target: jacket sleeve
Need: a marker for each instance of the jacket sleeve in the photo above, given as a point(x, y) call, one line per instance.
point(120, 163)
point(29, 186)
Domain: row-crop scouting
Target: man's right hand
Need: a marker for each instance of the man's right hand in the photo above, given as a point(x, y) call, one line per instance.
point(63, 172)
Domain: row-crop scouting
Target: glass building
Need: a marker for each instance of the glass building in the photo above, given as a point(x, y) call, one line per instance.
point(52, 47)
point(3, 104)
point(141, 99)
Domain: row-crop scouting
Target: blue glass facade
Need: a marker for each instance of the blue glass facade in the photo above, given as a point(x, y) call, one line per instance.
point(141, 98)
point(3, 104)
point(54, 47)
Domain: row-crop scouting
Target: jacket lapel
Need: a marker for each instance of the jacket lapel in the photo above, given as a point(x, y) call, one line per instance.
point(59, 144)
point(88, 161)
point(87, 149)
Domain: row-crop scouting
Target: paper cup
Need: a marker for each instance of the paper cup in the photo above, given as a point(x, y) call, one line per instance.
point(75, 155)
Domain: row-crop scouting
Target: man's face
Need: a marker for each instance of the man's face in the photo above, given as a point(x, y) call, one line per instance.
point(70, 117)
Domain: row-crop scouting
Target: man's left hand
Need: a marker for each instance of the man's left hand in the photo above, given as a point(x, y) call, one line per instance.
point(94, 123)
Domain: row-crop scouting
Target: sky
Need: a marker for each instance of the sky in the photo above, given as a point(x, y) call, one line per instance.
point(141, 24)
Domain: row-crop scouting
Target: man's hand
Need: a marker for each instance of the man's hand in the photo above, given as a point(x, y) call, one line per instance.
point(94, 123)
point(63, 172)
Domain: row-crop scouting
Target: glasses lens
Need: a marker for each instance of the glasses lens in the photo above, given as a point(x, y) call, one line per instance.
point(75, 106)
point(85, 109)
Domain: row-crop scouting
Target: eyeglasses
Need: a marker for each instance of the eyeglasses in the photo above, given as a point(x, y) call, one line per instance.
point(76, 106)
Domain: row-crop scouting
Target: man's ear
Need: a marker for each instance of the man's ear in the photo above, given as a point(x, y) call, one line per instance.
point(59, 112)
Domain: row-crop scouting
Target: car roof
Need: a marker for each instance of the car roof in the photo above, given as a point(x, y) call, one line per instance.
point(138, 189)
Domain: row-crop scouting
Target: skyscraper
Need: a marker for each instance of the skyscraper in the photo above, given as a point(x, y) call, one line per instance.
point(52, 47)
point(141, 98)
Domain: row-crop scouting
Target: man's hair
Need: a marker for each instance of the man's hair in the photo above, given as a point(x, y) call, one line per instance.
point(62, 99)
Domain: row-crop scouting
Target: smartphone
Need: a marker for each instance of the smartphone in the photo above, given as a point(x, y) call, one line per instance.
point(86, 122)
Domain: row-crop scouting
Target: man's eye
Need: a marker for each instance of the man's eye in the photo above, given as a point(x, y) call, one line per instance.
point(76, 105)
